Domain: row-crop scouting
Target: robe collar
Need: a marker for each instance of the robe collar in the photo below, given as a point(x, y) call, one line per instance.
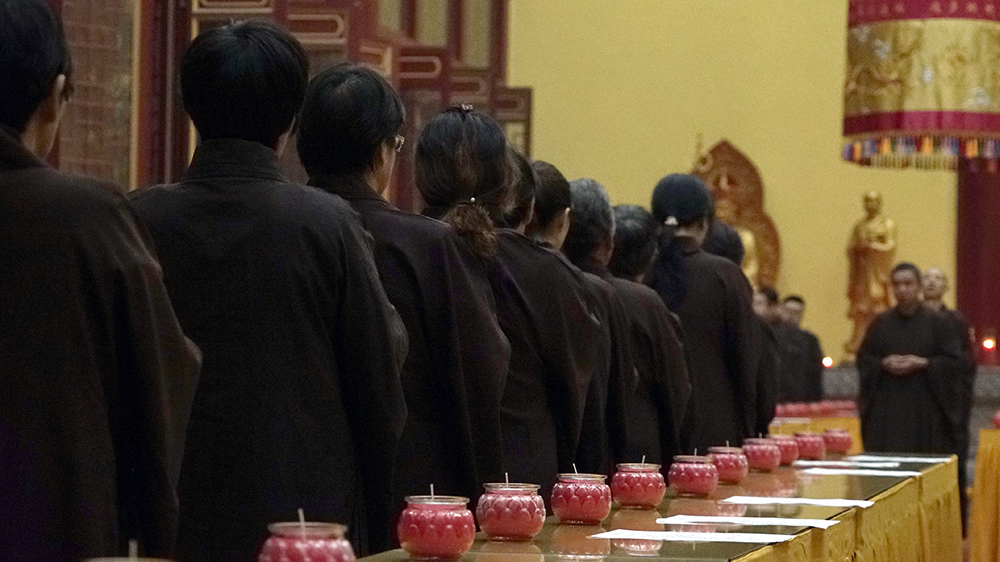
point(588, 265)
point(13, 154)
point(231, 158)
point(351, 188)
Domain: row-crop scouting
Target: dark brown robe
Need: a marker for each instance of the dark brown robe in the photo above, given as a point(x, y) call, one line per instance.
point(656, 407)
point(723, 345)
point(454, 374)
point(604, 440)
point(921, 412)
point(964, 397)
point(557, 347)
point(300, 403)
point(97, 377)
point(768, 374)
point(801, 375)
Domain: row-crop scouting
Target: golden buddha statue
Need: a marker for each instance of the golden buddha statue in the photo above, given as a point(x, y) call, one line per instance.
point(870, 253)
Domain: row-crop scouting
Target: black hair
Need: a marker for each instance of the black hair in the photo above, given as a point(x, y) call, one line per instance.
point(723, 240)
point(636, 233)
point(769, 293)
point(551, 197)
point(245, 80)
point(906, 266)
point(464, 171)
point(524, 191)
point(795, 298)
point(678, 200)
point(350, 111)
point(33, 53)
point(591, 219)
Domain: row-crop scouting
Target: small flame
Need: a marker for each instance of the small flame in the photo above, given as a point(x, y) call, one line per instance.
point(989, 343)
point(828, 362)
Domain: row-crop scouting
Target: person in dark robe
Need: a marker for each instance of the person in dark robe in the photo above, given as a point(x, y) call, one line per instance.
point(775, 355)
point(935, 284)
point(454, 373)
point(911, 365)
point(588, 245)
point(659, 404)
point(550, 226)
point(803, 380)
point(556, 341)
point(97, 376)
point(713, 299)
point(300, 403)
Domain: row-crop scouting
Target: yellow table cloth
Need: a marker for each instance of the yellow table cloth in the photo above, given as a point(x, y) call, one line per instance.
point(914, 521)
point(984, 535)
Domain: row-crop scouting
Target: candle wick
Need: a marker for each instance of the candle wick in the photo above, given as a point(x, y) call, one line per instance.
point(696, 452)
point(727, 443)
point(133, 549)
point(302, 522)
point(644, 459)
point(575, 470)
point(506, 477)
point(432, 490)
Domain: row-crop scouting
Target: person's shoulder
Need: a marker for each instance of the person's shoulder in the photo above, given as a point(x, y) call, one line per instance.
point(73, 201)
point(427, 228)
point(638, 293)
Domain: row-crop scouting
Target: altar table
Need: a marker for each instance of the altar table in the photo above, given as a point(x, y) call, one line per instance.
point(913, 519)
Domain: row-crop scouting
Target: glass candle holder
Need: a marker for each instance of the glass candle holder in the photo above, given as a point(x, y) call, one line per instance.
point(762, 454)
point(581, 498)
point(730, 462)
point(436, 527)
point(301, 542)
point(811, 445)
point(638, 485)
point(788, 446)
point(693, 475)
point(511, 512)
point(837, 441)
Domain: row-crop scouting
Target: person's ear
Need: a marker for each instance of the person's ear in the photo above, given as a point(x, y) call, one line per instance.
point(282, 142)
point(51, 110)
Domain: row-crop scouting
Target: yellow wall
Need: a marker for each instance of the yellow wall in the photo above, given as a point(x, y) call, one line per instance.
point(623, 87)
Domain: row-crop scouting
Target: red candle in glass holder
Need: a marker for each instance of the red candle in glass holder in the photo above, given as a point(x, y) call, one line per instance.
point(788, 446)
point(693, 475)
point(638, 485)
point(811, 445)
point(436, 527)
point(511, 512)
point(762, 454)
point(306, 542)
point(837, 440)
point(730, 462)
point(581, 498)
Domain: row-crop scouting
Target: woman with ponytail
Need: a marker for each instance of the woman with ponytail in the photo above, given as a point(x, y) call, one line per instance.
point(464, 171)
point(713, 299)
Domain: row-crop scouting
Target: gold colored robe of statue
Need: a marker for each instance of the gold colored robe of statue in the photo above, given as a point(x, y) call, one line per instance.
point(871, 253)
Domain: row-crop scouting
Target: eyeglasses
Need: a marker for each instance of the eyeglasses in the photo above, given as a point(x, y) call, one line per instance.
point(400, 139)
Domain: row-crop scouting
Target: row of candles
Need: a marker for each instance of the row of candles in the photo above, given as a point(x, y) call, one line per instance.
point(436, 527)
